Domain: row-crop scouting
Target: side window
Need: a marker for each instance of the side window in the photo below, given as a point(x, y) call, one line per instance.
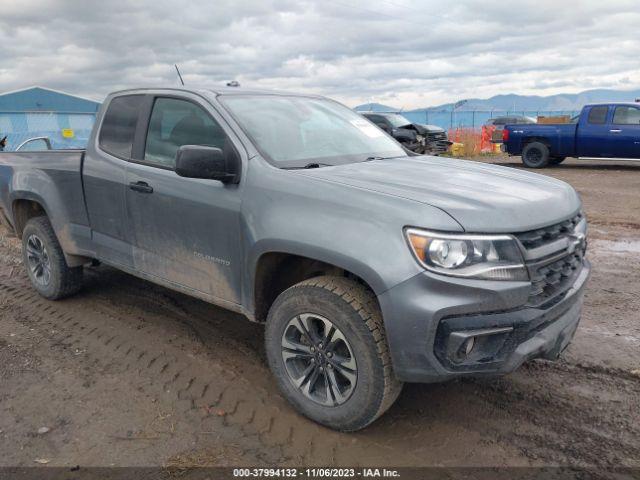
point(119, 125)
point(598, 115)
point(626, 116)
point(175, 123)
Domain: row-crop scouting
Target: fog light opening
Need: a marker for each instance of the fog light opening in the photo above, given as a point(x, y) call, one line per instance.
point(468, 345)
point(478, 345)
point(467, 348)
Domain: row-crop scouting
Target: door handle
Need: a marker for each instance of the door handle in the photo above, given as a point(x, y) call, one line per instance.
point(142, 187)
point(615, 130)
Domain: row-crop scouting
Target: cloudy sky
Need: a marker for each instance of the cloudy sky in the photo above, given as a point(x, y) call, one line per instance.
point(406, 53)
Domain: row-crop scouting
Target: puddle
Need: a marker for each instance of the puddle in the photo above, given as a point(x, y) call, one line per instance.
point(615, 246)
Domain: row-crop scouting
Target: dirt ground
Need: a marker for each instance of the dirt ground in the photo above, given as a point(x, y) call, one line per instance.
point(129, 373)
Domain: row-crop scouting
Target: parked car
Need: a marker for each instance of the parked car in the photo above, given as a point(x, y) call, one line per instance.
point(602, 131)
point(368, 265)
point(425, 139)
point(500, 122)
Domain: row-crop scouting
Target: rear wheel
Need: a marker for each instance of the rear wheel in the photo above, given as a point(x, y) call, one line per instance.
point(327, 350)
point(535, 155)
point(45, 263)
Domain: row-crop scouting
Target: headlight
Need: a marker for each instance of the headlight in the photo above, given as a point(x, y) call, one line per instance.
point(490, 257)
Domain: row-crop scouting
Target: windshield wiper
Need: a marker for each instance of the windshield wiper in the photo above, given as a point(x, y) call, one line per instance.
point(311, 165)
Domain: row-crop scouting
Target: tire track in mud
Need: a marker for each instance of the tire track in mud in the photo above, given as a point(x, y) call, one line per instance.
point(207, 389)
point(549, 394)
point(593, 422)
point(127, 326)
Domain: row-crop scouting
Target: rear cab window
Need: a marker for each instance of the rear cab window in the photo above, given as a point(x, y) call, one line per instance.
point(598, 115)
point(119, 125)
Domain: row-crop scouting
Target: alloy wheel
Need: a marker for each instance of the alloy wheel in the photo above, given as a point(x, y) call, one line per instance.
point(38, 260)
point(319, 359)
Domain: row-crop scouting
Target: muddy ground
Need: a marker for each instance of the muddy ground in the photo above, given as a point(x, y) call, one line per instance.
point(128, 373)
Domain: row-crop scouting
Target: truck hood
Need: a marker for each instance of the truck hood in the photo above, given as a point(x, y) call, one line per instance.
point(429, 128)
point(480, 197)
point(413, 128)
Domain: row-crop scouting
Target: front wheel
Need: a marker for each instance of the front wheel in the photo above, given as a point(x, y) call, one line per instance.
point(535, 155)
point(45, 263)
point(327, 349)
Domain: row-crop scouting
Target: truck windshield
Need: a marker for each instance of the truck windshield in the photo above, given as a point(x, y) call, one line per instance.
point(294, 132)
point(397, 120)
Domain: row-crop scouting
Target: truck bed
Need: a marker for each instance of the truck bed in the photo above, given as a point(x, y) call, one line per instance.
point(52, 178)
point(561, 136)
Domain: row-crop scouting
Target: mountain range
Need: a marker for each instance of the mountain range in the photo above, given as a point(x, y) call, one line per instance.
point(562, 101)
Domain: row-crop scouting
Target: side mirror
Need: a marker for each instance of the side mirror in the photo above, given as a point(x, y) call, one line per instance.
point(195, 161)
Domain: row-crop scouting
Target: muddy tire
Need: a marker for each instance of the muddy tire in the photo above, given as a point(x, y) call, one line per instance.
point(535, 155)
point(327, 349)
point(45, 263)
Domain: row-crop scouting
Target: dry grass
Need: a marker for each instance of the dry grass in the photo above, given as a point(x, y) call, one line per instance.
point(470, 140)
point(219, 456)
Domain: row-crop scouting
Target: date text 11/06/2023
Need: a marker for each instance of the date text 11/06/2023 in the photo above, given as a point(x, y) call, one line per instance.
point(315, 472)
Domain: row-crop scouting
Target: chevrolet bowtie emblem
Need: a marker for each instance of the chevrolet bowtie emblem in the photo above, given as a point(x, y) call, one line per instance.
point(576, 240)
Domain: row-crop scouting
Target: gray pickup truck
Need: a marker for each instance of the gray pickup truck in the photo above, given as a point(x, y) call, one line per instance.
point(370, 266)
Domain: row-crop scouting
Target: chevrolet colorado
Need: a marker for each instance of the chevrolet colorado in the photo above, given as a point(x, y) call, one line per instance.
point(370, 266)
point(604, 131)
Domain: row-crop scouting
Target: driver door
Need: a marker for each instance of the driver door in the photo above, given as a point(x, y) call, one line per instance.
point(186, 230)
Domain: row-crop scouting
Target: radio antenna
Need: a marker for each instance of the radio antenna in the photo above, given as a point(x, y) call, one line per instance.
point(179, 76)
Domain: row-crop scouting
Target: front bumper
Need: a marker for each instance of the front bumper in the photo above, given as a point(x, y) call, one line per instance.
point(421, 314)
point(431, 147)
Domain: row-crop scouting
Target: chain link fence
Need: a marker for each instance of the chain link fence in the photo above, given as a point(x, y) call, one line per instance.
point(475, 118)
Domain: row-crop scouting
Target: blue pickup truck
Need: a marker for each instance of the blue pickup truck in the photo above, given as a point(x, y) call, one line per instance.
point(602, 131)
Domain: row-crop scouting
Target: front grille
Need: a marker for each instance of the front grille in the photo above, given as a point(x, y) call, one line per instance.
point(435, 136)
point(553, 274)
point(551, 281)
point(437, 141)
point(540, 236)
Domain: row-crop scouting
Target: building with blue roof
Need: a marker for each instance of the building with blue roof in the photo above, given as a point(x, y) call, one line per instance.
point(65, 119)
